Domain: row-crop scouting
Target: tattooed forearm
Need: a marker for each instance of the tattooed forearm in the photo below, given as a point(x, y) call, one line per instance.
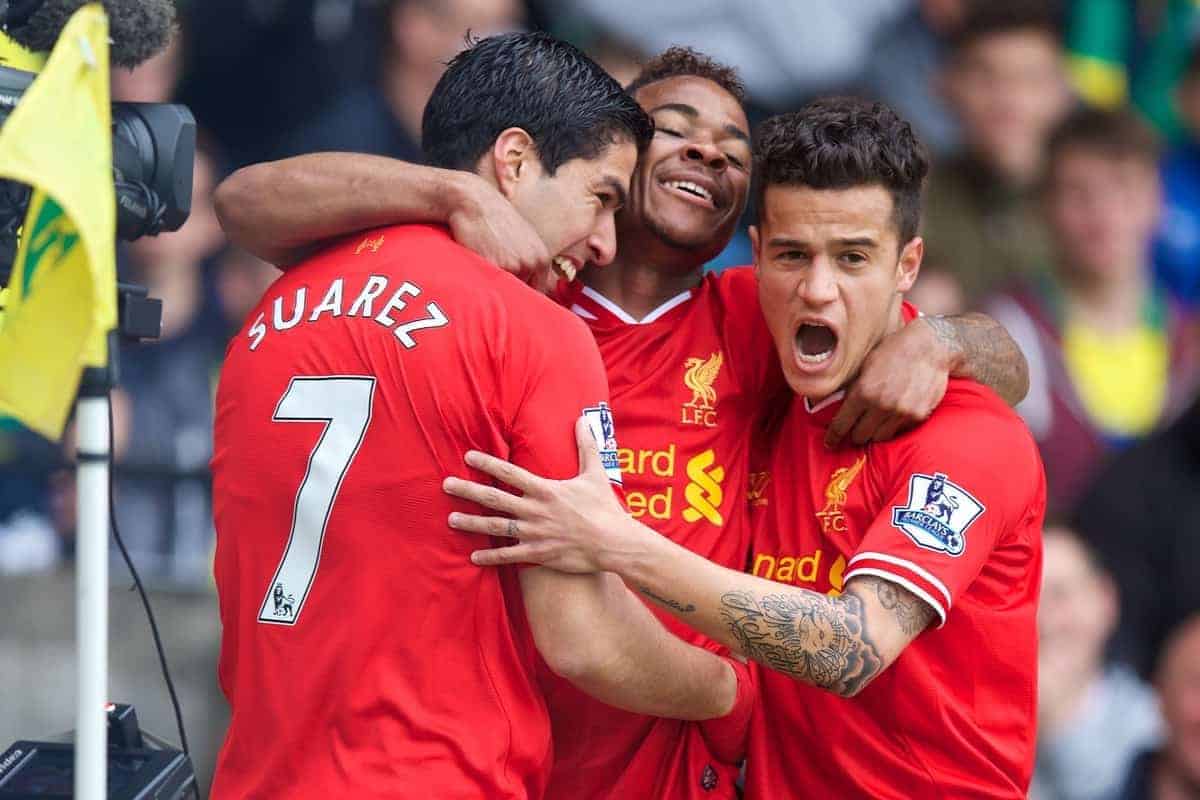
point(817, 639)
point(988, 353)
point(913, 614)
point(666, 601)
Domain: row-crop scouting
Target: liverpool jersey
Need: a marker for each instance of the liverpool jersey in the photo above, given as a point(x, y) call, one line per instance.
point(362, 653)
point(952, 512)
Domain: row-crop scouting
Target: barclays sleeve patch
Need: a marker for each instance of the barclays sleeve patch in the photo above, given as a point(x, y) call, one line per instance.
point(938, 513)
point(600, 420)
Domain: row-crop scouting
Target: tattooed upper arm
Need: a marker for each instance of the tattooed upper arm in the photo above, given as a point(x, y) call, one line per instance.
point(836, 643)
point(911, 612)
point(989, 354)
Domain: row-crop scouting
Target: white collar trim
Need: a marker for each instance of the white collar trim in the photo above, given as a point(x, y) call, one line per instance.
point(623, 316)
point(826, 403)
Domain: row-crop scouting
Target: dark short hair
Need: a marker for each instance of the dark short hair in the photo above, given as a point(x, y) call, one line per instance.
point(569, 105)
point(986, 18)
point(1116, 134)
point(841, 143)
point(684, 62)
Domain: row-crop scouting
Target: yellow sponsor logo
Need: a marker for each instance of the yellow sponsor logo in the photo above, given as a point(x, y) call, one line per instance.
point(800, 569)
point(704, 493)
point(699, 375)
point(660, 463)
point(831, 517)
point(370, 244)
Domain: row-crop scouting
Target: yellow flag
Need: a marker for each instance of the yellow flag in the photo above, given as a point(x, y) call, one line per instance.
point(61, 299)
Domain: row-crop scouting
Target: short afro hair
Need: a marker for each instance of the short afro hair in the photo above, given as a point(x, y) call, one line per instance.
point(679, 62)
point(843, 143)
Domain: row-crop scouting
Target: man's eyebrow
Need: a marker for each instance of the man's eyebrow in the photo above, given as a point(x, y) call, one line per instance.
point(682, 108)
point(858, 241)
point(617, 189)
point(784, 241)
point(736, 132)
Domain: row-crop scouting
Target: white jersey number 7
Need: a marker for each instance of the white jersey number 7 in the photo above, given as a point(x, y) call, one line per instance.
point(344, 405)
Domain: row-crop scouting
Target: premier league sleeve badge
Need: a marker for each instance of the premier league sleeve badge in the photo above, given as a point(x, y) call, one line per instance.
point(938, 513)
point(600, 420)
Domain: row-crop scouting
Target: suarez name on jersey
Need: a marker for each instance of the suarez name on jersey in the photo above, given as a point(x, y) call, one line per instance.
point(362, 653)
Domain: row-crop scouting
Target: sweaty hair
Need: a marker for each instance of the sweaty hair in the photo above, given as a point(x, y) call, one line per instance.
point(1115, 135)
point(988, 18)
point(842, 143)
point(681, 62)
point(569, 105)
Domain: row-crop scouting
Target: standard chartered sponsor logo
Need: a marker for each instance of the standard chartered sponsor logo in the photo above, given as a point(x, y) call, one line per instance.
point(656, 499)
point(704, 493)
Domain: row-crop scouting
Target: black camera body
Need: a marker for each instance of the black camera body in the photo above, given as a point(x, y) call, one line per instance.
point(154, 147)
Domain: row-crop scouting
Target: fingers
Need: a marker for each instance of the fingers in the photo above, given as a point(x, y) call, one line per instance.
point(868, 424)
point(510, 474)
point(589, 451)
point(847, 417)
point(486, 496)
point(488, 526)
point(499, 556)
point(892, 425)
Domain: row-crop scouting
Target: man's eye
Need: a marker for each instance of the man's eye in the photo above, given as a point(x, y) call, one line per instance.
point(669, 132)
point(737, 162)
point(855, 259)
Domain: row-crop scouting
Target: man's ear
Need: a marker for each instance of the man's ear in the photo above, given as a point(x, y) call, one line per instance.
point(514, 159)
point(754, 243)
point(910, 264)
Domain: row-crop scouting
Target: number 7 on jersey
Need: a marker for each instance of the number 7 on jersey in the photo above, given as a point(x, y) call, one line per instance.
point(344, 405)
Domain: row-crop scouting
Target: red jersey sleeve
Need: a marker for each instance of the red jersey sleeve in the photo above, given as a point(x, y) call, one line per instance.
point(955, 489)
point(559, 378)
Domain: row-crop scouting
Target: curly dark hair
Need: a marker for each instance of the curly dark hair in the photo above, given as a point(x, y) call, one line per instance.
point(841, 143)
point(569, 105)
point(676, 62)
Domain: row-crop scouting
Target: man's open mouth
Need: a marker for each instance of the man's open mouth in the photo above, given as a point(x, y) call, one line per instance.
point(693, 192)
point(815, 343)
point(564, 267)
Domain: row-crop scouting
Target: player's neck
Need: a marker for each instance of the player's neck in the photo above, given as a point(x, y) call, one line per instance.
point(637, 287)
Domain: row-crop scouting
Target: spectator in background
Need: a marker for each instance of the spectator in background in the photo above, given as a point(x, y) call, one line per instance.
point(903, 67)
point(383, 117)
point(163, 505)
point(1005, 81)
point(1110, 357)
point(242, 279)
point(1173, 771)
point(1093, 717)
point(1177, 250)
point(785, 51)
point(1142, 516)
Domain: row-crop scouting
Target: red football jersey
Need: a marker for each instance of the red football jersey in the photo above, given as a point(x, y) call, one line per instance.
point(951, 511)
point(688, 381)
point(363, 655)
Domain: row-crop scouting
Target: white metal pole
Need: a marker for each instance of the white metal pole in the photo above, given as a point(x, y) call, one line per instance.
point(91, 597)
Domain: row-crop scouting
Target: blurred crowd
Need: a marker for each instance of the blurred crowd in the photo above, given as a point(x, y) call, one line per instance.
point(1065, 202)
